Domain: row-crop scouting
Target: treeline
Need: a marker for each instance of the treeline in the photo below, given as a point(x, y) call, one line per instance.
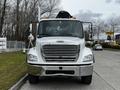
point(101, 24)
point(16, 15)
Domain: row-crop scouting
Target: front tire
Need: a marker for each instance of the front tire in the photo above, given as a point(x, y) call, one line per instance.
point(33, 79)
point(86, 79)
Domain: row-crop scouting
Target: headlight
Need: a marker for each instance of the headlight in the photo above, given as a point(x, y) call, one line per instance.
point(32, 57)
point(88, 58)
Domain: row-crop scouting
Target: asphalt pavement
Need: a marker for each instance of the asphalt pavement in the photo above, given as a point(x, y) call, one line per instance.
point(106, 76)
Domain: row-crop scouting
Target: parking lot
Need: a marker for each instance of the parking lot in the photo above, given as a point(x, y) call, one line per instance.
point(106, 76)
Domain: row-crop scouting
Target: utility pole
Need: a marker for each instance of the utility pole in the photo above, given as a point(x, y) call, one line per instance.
point(98, 33)
point(113, 32)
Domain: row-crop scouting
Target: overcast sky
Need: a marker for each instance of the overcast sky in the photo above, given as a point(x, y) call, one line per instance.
point(105, 7)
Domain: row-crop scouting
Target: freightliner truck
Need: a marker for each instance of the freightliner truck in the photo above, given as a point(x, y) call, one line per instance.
point(60, 51)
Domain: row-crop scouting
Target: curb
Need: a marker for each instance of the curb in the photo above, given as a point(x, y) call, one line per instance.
point(19, 83)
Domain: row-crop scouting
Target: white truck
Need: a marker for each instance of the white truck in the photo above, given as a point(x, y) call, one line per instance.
point(60, 51)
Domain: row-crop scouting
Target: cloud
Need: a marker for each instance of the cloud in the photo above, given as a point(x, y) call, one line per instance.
point(88, 15)
point(116, 1)
point(108, 1)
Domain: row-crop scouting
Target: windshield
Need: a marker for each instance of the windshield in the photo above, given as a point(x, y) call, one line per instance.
point(60, 28)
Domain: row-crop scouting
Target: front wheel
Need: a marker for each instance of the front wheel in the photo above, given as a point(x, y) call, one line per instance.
point(86, 79)
point(33, 79)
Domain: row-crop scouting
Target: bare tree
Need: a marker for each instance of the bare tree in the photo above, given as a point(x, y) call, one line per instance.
point(99, 27)
point(20, 13)
point(2, 17)
point(17, 19)
point(88, 15)
point(0, 7)
point(113, 22)
point(49, 8)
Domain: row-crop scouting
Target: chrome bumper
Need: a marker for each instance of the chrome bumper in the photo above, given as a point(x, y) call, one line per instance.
point(73, 70)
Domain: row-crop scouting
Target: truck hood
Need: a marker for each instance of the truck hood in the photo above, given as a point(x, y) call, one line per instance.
point(60, 40)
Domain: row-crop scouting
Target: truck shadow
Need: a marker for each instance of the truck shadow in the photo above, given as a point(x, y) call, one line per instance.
point(59, 83)
point(57, 79)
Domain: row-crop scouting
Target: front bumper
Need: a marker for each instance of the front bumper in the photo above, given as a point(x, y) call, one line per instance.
point(64, 70)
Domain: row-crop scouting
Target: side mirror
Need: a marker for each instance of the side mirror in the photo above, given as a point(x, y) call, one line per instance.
point(34, 28)
point(30, 34)
point(88, 31)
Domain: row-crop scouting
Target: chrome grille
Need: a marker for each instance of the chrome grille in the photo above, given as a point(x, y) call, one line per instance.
point(53, 53)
